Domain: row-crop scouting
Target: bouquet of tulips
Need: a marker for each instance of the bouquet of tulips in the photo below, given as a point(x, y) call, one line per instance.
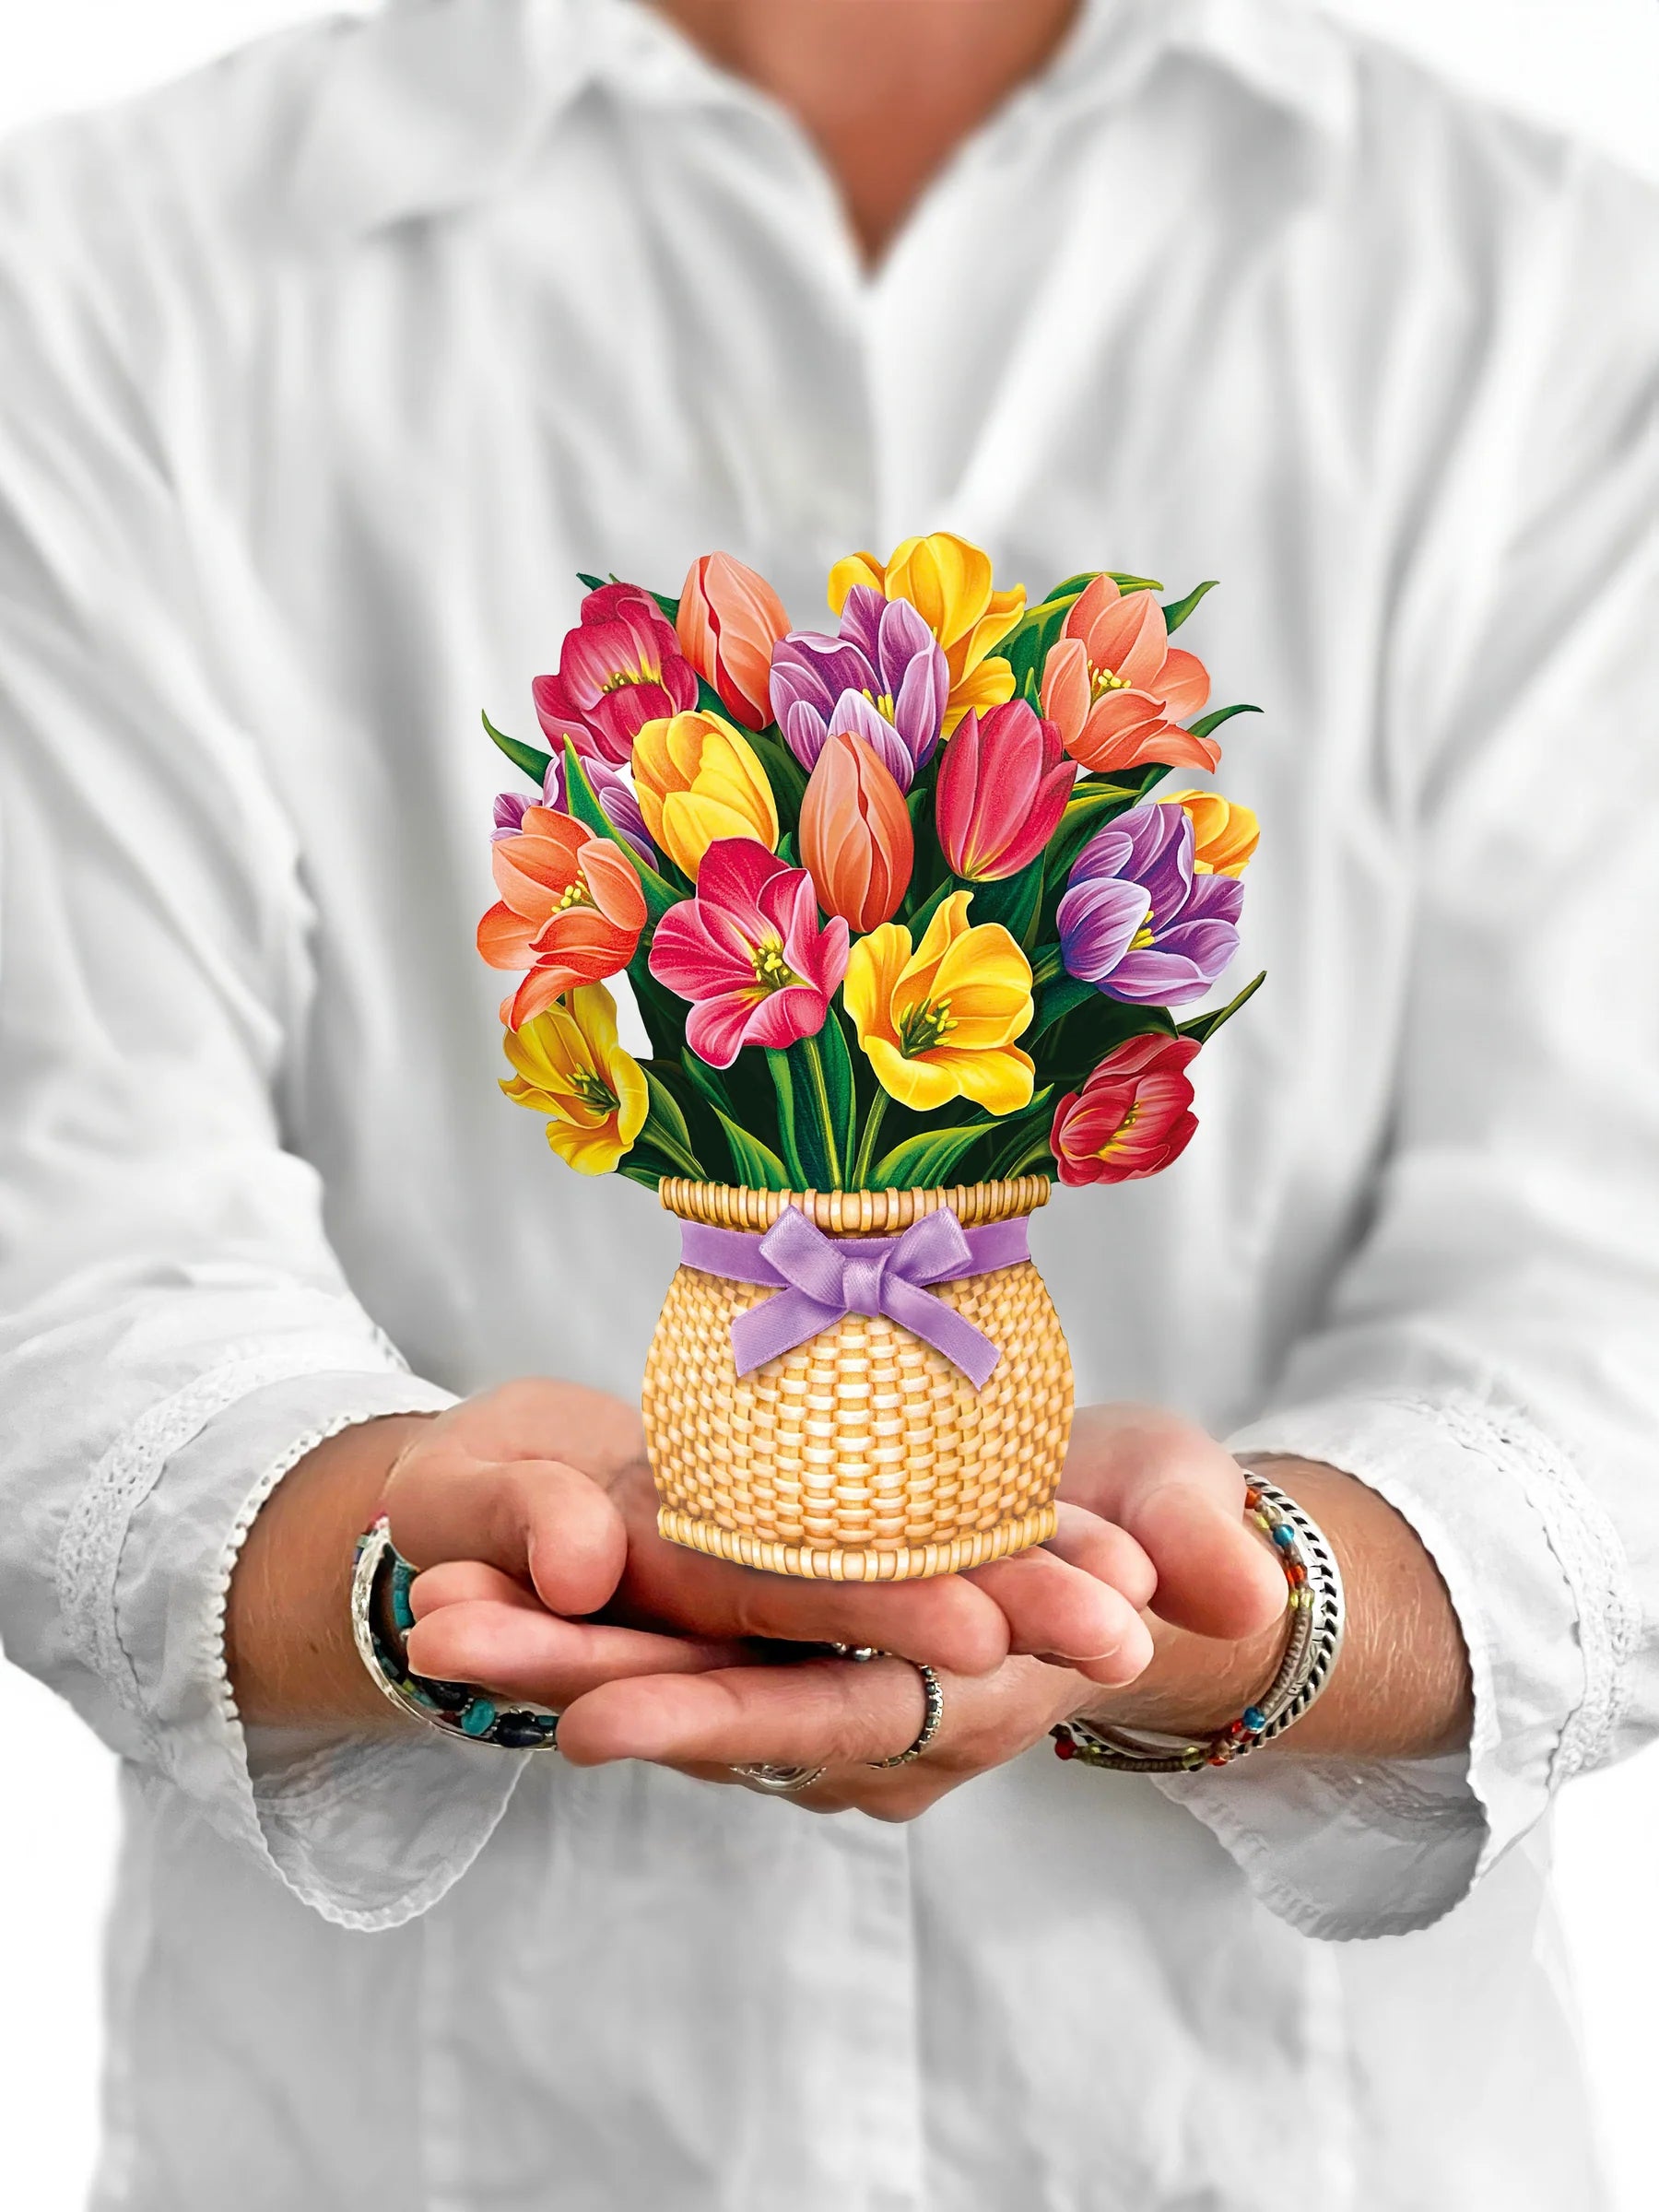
point(896, 902)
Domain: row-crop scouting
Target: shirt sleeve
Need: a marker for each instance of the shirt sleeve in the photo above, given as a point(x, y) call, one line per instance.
point(175, 1331)
point(1488, 1361)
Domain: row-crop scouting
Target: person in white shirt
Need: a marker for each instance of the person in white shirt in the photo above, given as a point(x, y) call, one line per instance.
point(321, 375)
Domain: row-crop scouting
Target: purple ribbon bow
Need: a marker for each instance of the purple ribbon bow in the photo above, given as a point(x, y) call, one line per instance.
point(818, 1279)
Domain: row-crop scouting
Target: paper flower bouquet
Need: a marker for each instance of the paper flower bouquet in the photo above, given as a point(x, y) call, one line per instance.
point(908, 935)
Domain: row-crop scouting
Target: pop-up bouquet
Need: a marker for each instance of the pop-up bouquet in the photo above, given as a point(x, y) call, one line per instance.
point(908, 934)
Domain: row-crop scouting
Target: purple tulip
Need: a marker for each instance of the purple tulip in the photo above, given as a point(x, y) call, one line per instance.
point(1137, 921)
point(884, 679)
point(614, 793)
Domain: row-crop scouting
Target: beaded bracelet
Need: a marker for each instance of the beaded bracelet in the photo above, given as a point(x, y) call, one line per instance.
point(382, 1615)
point(1317, 1617)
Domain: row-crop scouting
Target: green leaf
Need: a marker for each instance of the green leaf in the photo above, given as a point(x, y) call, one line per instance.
point(585, 807)
point(1014, 900)
point(594, 583)
point(1134, 583)
point(1056, 1001)
point(528, 759)
point(1176, 612)
point(1080, 1040)
point(640, 1171)
point(754, 1165)
point(1205, 723)
point(922, 1163)
point(786, 850)
point(783, 773)
point(1026, 647)
point(1203, 1026)
point(669, 607)
point(664, 1119)
point(1028, 1133)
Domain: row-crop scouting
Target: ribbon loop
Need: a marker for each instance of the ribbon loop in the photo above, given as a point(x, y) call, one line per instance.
point(817, 1281)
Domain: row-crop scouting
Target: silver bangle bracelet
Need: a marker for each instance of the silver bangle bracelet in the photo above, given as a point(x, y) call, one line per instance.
point(1318, 1616)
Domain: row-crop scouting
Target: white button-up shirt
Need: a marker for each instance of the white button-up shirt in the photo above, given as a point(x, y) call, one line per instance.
point(321, 375)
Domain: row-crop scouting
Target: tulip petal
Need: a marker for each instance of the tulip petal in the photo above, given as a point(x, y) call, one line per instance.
point(1183, 684)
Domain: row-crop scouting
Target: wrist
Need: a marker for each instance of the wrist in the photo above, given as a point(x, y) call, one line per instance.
point(288, 1646)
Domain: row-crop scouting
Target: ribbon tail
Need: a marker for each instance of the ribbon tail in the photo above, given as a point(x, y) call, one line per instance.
point(777, 1325)
point(942, 1327)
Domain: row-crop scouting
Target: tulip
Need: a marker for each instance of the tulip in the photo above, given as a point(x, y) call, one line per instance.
point(855, 834)
point(620, 668)
point(750, 953)
point(729, 620)
point(699, 779)
point(571, 910)
point(948, 582)
point(884, 679)
point(940, 1022)
point(1119, 690)
point(569, 1064)
point(1132, 1117)
point(1225, 834)
point(1003, 787)
point(1135, 920)
point(614, 793)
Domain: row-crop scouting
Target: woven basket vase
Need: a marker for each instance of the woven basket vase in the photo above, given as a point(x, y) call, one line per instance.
point(864, 1454)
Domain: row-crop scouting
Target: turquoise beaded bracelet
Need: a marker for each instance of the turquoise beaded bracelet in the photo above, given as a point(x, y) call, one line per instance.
point(1317, 1616)
point(382, 1615)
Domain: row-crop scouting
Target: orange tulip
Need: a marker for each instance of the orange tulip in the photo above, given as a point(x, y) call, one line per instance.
point(855, 833)
point(729, 620)
point(570, 910)
point(1119, 690)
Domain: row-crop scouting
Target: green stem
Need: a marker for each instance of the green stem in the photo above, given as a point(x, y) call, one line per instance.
point(866, 1143)
point(820, 1087)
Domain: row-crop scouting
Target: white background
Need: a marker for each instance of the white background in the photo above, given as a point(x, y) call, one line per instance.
point(1592, 65)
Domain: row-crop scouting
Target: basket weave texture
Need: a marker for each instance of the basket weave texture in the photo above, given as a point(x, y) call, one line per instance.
point(864, 1454)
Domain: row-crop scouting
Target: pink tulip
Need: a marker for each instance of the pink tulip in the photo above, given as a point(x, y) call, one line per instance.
point(729, 620)
point(1132, 1117)
point(620, 668)
point(749, 952)
point(855, 833)
point(1118, 690)
point(1003, 787)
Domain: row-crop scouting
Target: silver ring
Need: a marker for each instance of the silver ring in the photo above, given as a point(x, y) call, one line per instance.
point(782, 1781)
point(931, 1718)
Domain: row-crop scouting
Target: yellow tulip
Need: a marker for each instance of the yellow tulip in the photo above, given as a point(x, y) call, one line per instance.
point(940, 1022)
point(570, 1064)
point(1224, 833)
point(948, 582)
point(699, 779)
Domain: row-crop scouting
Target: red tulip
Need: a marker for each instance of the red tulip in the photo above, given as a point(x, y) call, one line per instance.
point(855, 834)
point(1132, 1117)
point(729, 620)
point(1003, 787)
point(620, 668)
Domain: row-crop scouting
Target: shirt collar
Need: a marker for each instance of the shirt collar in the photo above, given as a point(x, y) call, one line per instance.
point(431, 105)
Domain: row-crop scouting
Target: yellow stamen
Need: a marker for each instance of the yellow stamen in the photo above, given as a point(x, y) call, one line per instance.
point(772, 971)
point(924, 1027)
point(1102, 680)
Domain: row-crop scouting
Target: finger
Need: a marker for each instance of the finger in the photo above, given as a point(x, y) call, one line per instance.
point(523, 1651)
point(537, 1519)
point(1054, 1610)
point(1103, 1550)
point(816, 1713)
point(942, 1619)
point(463, 1581)
point(1215, 1576)
point(1181, 1495)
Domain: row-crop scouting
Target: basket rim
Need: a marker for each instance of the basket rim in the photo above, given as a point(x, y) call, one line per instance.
point(852, 1213)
